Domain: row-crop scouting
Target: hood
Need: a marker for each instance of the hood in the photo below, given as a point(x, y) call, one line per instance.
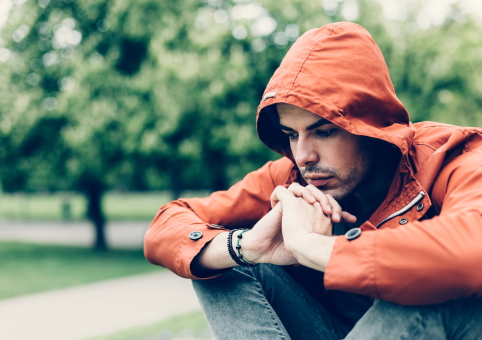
point(338, 73)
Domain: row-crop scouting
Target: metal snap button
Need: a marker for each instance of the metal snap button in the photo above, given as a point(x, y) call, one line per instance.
point(403, 220)
point(195, 235)
point(420, 207)
point(353, 234)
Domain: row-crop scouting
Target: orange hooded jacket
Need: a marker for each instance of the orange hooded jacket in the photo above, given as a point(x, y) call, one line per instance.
point(422, 245)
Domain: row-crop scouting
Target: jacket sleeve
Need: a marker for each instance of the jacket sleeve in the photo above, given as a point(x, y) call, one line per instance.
point(422, 262)
point(167, 241)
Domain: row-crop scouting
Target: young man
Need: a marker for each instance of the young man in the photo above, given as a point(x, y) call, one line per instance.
point(401, 260)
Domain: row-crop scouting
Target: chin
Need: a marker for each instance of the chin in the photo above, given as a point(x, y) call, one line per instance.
point(337, 194)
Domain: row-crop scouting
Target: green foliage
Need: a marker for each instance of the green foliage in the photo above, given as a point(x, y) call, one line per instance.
point(437, 72)
point(149, 94)
point(27, 268)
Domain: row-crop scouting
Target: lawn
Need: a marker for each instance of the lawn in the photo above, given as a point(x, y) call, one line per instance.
point(61, 206)
point(30, 268)
point(51, 207)
point(188, 326)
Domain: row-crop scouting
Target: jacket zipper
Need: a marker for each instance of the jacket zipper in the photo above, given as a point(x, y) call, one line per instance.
point(404, 209)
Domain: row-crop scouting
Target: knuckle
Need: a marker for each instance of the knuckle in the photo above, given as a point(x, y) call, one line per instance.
point(293, 187)
point(323, 199)
point(312, 188)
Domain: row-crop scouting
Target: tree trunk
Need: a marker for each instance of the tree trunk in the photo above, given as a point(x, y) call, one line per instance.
point(96, 215)
point(176, 184)
point(218, 172)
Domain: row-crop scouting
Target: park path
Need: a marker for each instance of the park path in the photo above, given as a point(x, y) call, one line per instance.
point(118, 234)
point(96, 309)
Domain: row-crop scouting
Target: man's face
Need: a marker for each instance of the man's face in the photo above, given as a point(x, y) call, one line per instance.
point(328, 157)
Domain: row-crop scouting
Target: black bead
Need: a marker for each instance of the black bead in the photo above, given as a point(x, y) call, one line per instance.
point(238, 247)
point(240, 236)
point(240, 256)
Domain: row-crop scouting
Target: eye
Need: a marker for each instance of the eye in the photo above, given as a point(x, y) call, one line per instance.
point(291, 135)
point(325, 133)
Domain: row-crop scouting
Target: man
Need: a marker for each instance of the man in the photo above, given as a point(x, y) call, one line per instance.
point(401, 260)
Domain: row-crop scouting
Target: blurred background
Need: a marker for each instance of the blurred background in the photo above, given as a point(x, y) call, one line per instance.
point(111, 108)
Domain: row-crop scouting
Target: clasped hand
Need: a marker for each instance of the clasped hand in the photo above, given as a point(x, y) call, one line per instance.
point(299, 216)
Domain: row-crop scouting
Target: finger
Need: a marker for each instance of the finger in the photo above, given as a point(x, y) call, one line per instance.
point(339, 215)
point(336, 214)
point(347, 217)
point(324, 224)
point(301, 191)
point(280, 193)
point(273, 200)
point(318, 208)
point(326, 228)
point(321, 197)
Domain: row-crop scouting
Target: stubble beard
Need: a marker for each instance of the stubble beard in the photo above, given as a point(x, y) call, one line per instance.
point(349, 182)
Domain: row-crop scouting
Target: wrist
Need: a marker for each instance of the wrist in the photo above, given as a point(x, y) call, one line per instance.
point(235, 247)
point(313, 250)
point(214, 255)
point(247, 250)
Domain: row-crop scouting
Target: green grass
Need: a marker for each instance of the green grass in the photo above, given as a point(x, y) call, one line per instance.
point(176, 327)
point(117, 206)
point(134, 206)
point(40, 206)
point(27, 268)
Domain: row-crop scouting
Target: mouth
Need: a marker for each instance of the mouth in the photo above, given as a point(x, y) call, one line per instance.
point(318, 181)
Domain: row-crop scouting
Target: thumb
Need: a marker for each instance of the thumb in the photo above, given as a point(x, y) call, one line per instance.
point(278, 208)
point(277, 195)
point(280, 193)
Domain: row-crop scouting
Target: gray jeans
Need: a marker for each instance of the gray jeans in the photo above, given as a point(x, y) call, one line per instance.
point(264, 302)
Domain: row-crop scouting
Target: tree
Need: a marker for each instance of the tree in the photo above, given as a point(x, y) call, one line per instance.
point(150, 94)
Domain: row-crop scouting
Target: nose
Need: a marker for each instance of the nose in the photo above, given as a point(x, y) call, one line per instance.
point(305, 152)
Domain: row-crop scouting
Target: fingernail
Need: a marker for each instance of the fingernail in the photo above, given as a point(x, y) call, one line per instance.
point(328, 207)
point(337, 216)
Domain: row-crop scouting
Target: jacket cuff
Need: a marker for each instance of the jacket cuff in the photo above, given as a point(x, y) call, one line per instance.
point(351, 266)
point(191, 248)
point(178, 255)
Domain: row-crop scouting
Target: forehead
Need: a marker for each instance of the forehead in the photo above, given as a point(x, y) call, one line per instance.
point(288, 110)
point(291, 114)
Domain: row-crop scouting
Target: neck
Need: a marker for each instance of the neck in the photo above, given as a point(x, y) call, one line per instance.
point(375, 187)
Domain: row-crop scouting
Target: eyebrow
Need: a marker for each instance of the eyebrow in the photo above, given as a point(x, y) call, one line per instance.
point(315, 125)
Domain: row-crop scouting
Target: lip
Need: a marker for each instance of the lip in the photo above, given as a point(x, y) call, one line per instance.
point(318, 181)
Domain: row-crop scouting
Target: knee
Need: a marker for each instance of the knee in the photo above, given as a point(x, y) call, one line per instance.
point(241, 277)
point(388, 309)
point(386, 320)
point(225, 281)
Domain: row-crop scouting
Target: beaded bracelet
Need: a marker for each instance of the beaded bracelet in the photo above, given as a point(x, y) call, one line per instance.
point(238, 248)
point(239, 260)
point(230, 248)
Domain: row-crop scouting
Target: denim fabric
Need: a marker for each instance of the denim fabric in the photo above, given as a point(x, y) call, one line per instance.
point(454, 320)
point(264, 302)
